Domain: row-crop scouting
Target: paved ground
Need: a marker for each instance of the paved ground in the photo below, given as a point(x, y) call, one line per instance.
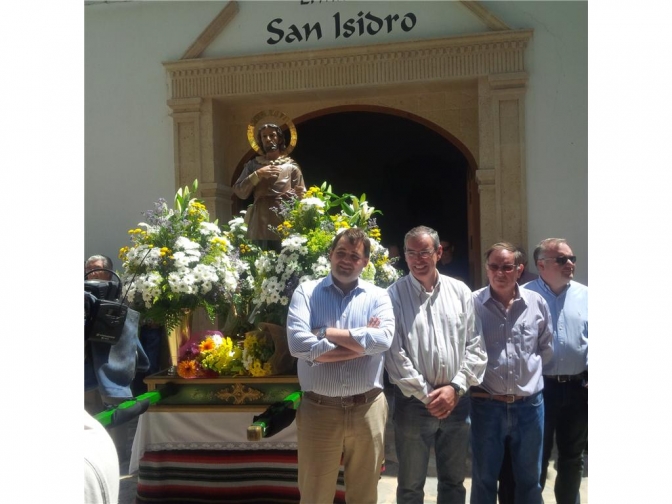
point(386, 487)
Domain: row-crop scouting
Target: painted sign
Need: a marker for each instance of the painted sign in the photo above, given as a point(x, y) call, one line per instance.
point(364, 24)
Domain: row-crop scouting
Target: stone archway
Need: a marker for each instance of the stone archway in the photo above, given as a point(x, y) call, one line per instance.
point(471, 86)
point(410, 169)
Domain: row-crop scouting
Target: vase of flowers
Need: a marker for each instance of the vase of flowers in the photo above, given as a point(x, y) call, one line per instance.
point(211, 354)
point(179, 261)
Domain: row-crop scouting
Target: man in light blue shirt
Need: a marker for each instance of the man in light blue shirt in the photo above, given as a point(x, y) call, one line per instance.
point(339, 328)
point(509, 405)
point(566, 374)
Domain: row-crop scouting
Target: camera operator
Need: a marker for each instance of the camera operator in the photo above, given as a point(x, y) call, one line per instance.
point(99, 263)
point(110, 368)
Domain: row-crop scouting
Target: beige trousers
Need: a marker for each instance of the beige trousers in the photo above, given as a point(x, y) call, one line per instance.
point(325, 434)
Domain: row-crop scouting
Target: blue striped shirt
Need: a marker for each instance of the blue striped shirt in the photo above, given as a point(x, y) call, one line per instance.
point(438, 339)
point(569, 312)
point(518, 341)
point(320, 303)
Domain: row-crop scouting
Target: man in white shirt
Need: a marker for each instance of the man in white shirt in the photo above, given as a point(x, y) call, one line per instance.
point(436, 355)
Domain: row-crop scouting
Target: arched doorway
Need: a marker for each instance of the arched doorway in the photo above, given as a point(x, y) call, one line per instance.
point(410, 171)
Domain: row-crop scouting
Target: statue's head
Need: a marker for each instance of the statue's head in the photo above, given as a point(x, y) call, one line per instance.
point(271, 138)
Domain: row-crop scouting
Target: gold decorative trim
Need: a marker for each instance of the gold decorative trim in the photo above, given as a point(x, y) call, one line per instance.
point(265, 115)
point(239, 393)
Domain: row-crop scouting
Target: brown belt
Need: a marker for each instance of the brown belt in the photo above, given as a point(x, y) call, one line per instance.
point(484, 394)
point(503, 398)
point(344, 401)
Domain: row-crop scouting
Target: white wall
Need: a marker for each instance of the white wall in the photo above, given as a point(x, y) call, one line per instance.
point(556, 121)
point(129, 144)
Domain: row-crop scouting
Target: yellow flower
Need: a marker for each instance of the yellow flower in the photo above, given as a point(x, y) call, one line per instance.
point(313, 192)
point(219, 242)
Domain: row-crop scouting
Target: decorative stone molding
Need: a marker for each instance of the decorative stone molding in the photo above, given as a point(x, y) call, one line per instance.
point(395, 63)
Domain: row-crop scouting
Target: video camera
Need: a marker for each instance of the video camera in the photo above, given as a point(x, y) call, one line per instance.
point(104, 314)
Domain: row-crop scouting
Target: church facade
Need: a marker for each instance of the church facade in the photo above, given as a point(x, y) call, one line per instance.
point(172, 86)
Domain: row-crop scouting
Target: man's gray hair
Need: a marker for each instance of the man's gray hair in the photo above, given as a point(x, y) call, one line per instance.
point(107, 262)
point(546, 245)
point(510, 247)
point(418, 231)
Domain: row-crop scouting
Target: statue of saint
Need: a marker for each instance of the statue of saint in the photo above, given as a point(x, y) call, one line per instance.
point(271, 177)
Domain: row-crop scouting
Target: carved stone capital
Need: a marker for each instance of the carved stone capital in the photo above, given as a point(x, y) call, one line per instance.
point(187, 105)
point(508, 81)
point(485, 177)
point(215, 190)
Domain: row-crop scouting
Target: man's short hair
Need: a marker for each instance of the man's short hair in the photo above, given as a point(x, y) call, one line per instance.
point(546, 245)
point(509, 247)
point(418, 231)
point(354, 236)
point(278, 130)
point(107, 262)
point(523, 255)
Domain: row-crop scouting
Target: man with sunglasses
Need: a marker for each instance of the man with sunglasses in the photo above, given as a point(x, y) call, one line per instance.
point(566, 374)
point(437, 353)
point(509, 406)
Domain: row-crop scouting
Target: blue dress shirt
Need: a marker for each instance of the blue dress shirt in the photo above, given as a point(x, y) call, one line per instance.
point(569, 311)
point(320, 303)
point(519, 341)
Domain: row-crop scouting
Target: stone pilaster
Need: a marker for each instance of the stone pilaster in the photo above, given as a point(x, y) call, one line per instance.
point(501, 176)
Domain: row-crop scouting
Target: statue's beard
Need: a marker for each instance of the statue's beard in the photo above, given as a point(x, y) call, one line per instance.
point(271, 147)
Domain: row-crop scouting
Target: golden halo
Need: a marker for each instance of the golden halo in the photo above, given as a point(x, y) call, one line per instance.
point(266, 115)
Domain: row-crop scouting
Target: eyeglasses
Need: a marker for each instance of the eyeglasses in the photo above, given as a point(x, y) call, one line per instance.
point(423, 254)
point(561, 260)
point(506, 268)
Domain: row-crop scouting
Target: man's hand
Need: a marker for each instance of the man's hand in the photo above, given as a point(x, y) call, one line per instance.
point(442, 402)
point(373, 322)
point(269, 172)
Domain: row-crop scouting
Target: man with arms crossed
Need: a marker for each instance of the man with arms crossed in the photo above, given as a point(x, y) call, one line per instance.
point(509, 405)
point(436, 355)
point(339, 328)
point(566, 375)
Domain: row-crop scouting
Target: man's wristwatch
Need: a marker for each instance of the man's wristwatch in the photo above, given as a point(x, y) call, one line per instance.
point(322, 332)
point(459, 391)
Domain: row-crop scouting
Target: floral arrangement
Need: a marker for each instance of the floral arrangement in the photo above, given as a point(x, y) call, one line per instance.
point(308, 229)
point(213, 354)
point(178, 261)
point(257, 351)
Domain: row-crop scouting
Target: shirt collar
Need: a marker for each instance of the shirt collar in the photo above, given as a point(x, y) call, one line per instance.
point(517, 297)
point(329, 282)
point(549, 291)
point(420, 289)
